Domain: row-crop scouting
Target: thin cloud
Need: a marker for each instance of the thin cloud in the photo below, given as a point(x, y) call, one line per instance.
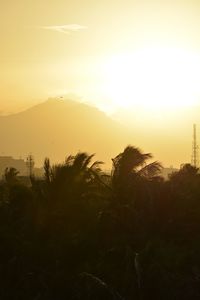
point(67, 29)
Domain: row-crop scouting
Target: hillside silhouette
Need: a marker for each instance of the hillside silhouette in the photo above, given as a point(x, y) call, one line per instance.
point(57, 127)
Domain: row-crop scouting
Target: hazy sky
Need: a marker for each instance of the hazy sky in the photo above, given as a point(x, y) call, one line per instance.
point(39, 58)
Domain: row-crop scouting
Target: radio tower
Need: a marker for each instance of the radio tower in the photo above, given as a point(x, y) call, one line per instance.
point(195, 148)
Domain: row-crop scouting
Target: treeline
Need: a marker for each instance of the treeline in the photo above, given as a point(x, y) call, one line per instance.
point(79, 233)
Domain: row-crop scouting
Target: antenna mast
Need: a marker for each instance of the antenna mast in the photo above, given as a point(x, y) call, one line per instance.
point(195, 148)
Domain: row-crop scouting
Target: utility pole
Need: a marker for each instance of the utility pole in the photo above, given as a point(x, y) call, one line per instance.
point(195, 148)
point(30, 164)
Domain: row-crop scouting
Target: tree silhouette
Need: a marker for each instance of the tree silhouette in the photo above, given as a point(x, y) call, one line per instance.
point(130, 167)
point(10, 176)
point(47, 170)
point(77, 233)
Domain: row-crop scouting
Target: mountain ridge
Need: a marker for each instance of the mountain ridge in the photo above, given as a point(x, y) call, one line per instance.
point(56, 128)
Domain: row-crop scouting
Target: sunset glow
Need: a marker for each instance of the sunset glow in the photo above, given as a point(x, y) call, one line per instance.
point(157, 78)
point(138, 62)
point(99, 155)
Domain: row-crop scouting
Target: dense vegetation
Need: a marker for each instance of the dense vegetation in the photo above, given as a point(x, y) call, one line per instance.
point(79, 233)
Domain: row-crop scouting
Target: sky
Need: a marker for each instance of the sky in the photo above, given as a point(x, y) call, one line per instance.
point(121, 56)
point(51, 48)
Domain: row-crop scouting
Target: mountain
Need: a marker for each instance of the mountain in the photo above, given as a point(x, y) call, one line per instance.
point(57, 128)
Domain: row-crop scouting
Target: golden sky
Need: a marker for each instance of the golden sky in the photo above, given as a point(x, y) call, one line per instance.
point(50, 48)
point(138, 59)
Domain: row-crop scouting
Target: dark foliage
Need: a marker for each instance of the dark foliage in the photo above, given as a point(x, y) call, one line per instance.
point(80, 234)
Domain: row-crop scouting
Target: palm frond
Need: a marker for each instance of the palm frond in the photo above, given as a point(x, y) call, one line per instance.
point(150, 170)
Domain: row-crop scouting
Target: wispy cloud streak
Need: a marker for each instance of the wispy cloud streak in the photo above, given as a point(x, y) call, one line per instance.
point(67, 29)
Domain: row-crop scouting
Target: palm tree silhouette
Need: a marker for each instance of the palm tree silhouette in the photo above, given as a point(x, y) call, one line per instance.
point(77, 177)
point(131, 165)
point(77, 170)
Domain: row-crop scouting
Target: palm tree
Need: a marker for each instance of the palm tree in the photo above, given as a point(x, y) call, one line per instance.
point(131, 165)
point(133, 187)
point(76, 177)
point(47, 170)
point(187, 171)
point(76, 169)
point(72, 197)
point(82, 166)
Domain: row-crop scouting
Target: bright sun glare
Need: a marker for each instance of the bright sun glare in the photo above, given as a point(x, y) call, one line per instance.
point(156, 78)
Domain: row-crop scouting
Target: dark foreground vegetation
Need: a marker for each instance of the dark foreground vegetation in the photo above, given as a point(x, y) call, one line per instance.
point(81, 234)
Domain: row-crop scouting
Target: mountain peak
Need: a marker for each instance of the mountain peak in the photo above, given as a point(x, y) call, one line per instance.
point(59, 127)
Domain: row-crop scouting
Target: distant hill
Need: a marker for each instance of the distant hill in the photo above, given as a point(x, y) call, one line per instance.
point(57, 128)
